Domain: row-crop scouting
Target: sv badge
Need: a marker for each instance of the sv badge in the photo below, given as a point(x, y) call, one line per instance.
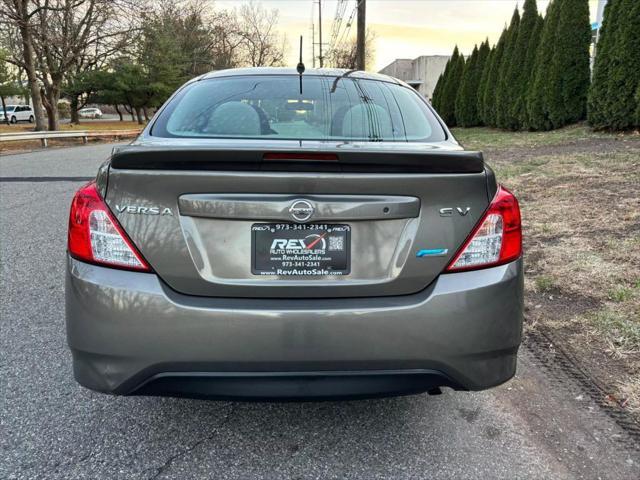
point(448, 212)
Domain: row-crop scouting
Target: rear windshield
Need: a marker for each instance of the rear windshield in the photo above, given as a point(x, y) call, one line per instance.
point(329, 108)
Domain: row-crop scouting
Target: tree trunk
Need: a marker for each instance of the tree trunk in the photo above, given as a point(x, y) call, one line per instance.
point(75, 117)
point(139, 115)
point(50, 115)
point(51, 104)
point(30, 69)
point(4, 109)
point(130, 111)
point(118, 111)
point(146, 114)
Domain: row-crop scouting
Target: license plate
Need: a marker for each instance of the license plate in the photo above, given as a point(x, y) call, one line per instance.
point(314, 250)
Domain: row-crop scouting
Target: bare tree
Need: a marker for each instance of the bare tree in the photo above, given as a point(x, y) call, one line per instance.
point(62, 38)
point(226, 39)
point(60, 44)
point(346, 54)
point(262, 45)
point(117, 23)
point(72, 36)
point(19, 14)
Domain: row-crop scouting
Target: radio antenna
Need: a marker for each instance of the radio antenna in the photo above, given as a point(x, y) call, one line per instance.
point(300, 66)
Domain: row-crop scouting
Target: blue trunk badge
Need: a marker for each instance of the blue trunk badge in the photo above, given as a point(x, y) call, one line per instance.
point(434, 252)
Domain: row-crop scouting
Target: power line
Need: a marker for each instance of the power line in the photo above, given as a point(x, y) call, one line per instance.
point(341, 8)
point(344, 37)
point(340, 28)
point(335, 42)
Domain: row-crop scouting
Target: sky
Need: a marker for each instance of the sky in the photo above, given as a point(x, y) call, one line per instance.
point(403, 28)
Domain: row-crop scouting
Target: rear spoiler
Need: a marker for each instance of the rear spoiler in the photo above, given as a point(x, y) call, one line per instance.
point(353, 160)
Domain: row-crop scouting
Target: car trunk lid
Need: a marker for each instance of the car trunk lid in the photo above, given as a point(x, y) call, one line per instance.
point(219, 218)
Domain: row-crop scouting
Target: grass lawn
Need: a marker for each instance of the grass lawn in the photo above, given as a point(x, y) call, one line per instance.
point(33, 144)
point(498, 139)
point(579, 192)
point(90, 125)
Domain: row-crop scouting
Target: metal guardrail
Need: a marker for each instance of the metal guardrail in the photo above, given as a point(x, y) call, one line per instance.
point(84, 134)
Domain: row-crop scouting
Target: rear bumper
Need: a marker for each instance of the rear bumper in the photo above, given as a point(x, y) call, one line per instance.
point(130, 334)
point(293, 385)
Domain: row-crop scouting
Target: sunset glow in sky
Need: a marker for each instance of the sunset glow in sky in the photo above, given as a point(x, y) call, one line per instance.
point(403, 28)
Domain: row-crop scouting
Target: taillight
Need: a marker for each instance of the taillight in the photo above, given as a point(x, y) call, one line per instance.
point(496, 239)
point(95, 235)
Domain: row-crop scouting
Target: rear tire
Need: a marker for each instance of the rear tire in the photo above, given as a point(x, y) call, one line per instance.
point(14, 120)
point(31, 119)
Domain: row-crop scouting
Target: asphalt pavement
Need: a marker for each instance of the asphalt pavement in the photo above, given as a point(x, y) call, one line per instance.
point(539, 425)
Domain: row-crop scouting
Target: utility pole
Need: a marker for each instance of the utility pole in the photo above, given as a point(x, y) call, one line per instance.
point(313, 44)
point(320, 32)
point(362, 33)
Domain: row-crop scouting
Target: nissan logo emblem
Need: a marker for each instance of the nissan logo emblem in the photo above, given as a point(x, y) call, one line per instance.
point(301, 210)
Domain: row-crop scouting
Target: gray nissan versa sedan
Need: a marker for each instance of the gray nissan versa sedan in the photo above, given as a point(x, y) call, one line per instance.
point(275, 235)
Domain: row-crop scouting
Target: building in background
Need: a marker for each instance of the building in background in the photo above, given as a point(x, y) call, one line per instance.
point(595, 28)
point(421, 73)
point(599, 14)
point(595, 31)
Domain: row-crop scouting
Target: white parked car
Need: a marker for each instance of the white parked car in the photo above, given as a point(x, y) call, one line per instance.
point(90, 113)
point(17, 113)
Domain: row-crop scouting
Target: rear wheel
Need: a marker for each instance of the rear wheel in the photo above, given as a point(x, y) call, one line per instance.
point(14, 119)
point(31, 119)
